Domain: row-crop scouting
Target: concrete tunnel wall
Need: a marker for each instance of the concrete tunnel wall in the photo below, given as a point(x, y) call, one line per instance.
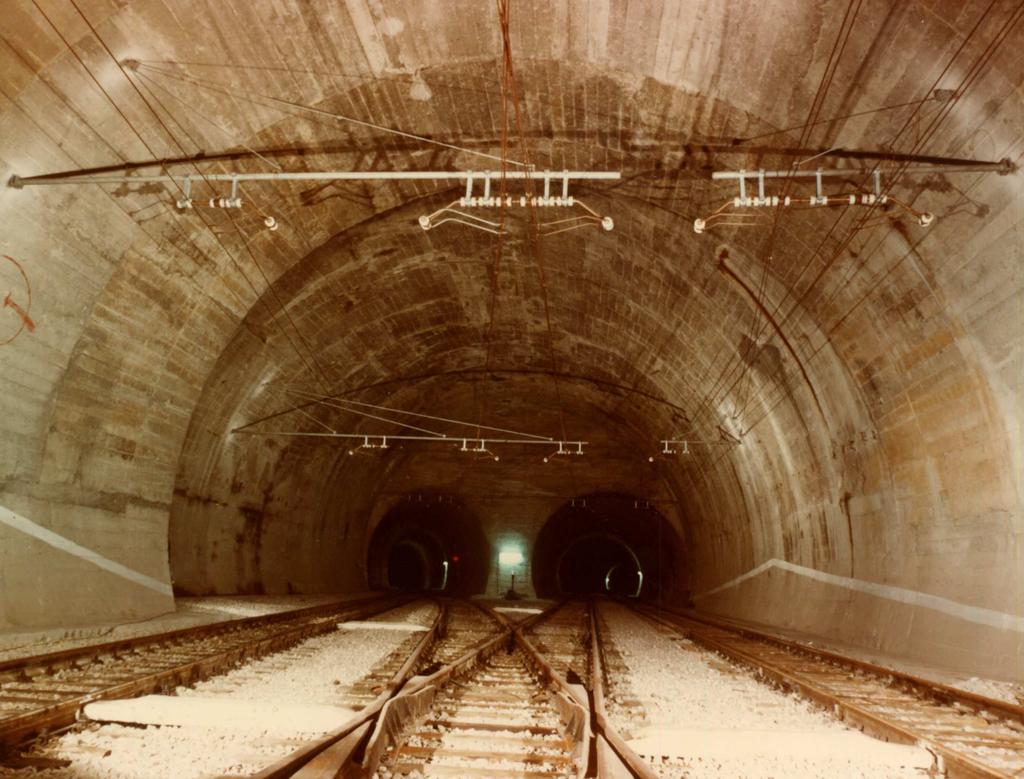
point(876, 497)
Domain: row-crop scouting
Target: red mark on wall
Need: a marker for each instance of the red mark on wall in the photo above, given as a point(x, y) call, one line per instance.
point(17, 302)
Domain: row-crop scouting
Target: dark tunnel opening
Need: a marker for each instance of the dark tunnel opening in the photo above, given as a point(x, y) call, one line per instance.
point(408, 567)
point(606, 544)
point(429, 542)
point(599, 563)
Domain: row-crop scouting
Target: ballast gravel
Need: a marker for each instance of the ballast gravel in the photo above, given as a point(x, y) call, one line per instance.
point(692, 699)
point(317, 671)
point(188, 613)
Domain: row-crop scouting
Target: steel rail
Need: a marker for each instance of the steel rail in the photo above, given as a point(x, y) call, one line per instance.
point(312, 758)
point(589, 761)
point(67, 657)
point(418, 695)
point(330, 754)
point(64, 710)
point(956, 763)
point(616, 743)
point(944, 693)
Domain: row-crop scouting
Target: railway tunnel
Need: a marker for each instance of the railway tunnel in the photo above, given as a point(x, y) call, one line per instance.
point(704, 307)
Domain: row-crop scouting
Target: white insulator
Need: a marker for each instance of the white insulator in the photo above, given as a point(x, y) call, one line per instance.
point(737, 202)
point(607, 223)
point(270, 223)
point(213, 202)
point(183, 204)
point(462, 202)
point(699, 225)
point(522, 201)
point(853, 200)
point(925, 219)
point(775, 200)
point(570, 201)
point(424, 222)
point(787, 201)
point(883, 199)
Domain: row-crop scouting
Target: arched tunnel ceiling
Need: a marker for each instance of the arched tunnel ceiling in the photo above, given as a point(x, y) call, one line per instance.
point(879, 411)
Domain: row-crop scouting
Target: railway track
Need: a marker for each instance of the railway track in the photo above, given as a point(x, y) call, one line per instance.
point(498, 720)
point(43, 693)
point(484, 704)
point(462, 630)
point(497, 710)
point(973, 736)
point(465, 627)
point(563, 638)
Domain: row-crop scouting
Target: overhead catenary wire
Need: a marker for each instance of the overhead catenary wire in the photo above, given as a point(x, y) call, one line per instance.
point(504, 14)
point(946, 109)
point(742, 354)
point(135, 130)
point(366, 414)
point(973, 73)
point(43, 132)
point(476, 425)
point(838, 49)
point(870, 288)
point(152, 84)
point(148, 85)
point(534, 239)
point(970, 77)
point(868, 112)
point(416, 414)
point(298, 108)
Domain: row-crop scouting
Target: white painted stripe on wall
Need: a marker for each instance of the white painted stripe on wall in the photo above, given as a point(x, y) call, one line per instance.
point(57, 541)
point(980, 616)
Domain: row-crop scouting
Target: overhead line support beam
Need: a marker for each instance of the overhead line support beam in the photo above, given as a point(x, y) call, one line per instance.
point(468, 176)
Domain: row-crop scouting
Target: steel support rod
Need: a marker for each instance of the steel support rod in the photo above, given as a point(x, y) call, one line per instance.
point(329, 175)
point(452, 439)
point(1002, 167)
